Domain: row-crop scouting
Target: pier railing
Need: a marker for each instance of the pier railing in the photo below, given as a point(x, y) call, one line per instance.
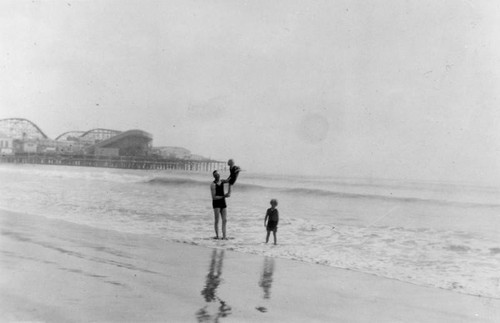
point(129, 162)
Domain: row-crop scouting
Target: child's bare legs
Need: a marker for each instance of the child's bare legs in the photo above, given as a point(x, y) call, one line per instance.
point(229, 191)
point(274, 236)
point(267, 236)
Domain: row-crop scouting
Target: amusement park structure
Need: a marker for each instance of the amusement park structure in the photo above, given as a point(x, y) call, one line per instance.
point(19, 128)
point(27, 137)
point(23, 141)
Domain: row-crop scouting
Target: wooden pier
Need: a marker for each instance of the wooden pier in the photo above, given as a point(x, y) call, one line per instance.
point(116, 162)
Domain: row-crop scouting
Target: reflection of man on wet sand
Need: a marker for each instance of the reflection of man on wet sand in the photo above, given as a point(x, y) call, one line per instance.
point(209, 292)
point(266, 280)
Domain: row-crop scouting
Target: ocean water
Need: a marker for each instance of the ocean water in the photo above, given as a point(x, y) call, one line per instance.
point(444, 235)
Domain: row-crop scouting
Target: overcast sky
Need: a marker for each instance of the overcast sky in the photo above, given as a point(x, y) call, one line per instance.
point(392, 89)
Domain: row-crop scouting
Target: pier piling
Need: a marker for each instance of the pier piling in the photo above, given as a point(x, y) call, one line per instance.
point(115, 162)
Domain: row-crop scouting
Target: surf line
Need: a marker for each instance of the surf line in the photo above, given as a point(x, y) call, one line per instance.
point(372, 223)
point(383, 216)
point(376, 220)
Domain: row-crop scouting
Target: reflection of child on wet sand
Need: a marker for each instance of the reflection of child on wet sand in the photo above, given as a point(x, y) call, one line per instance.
point(233, 175)
point(266, 279)
point(272, 218)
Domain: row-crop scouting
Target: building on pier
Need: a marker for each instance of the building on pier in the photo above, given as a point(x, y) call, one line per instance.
point(170, 152)
point(23, 137)
point(128, 143)
point(6, 144)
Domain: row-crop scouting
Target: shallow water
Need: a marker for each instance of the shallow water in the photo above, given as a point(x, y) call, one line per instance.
point(428, 233)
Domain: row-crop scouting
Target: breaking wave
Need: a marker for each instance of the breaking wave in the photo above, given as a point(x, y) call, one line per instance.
point(311, 192)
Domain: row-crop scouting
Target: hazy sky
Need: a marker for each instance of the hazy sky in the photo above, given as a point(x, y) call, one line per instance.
point(389, 88)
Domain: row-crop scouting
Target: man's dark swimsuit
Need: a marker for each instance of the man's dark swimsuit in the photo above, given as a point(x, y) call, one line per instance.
point(219, 191)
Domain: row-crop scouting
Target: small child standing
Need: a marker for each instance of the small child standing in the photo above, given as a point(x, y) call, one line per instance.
point(271, 220)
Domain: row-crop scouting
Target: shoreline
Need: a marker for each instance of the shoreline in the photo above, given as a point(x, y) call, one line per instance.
point(56, 271)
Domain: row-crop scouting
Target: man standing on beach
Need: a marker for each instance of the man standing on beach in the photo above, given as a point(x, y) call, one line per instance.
point(218, 204)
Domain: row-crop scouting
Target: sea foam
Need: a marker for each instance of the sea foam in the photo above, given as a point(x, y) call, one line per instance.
point(436, 234)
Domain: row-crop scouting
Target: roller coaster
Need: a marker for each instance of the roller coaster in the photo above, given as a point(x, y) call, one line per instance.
point(69, 135)
point(95, 135)
point(24, 129)
point(96, 147)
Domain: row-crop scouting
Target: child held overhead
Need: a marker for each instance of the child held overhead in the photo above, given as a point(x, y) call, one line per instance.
point(233, 175)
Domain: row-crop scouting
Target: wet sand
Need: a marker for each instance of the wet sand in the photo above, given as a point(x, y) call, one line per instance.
point(55, 271)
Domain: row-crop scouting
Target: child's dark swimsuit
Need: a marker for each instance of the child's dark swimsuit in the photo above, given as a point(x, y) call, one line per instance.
point(219, 191)
point(272, 226)
point(233, 174)
point(272, 222)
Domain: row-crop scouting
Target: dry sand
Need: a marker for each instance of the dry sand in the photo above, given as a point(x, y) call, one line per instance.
point(55, 271)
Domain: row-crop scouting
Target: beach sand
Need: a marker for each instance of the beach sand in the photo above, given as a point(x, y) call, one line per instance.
point(55, 271)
